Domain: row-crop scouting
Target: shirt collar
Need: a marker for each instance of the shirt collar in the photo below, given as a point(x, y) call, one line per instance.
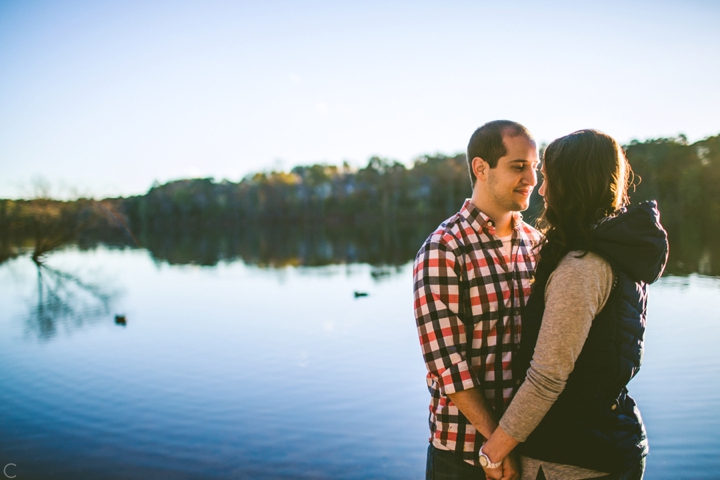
point(480, 222)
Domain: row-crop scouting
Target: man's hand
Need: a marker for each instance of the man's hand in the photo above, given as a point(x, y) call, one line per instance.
point(509, 470)
point(495, 473)
point(501, 445)
point(511, 467)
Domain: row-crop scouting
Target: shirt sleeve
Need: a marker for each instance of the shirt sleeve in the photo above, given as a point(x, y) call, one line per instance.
point(443, 338)
point(576, 292)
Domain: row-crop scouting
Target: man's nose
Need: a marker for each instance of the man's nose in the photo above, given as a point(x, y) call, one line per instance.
point(531, 177)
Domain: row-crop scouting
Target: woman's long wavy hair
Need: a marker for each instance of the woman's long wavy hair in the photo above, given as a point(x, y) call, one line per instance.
point(587, 178)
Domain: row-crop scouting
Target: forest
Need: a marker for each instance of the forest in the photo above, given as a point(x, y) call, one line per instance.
point(383, 199)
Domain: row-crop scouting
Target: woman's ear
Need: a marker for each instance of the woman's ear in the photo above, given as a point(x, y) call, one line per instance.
point(480, 168)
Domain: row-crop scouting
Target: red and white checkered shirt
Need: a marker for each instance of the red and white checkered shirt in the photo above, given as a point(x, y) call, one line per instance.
point(462, 278)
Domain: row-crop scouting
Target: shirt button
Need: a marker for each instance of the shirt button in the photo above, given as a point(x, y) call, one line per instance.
point(517, 382)
point(613, 407)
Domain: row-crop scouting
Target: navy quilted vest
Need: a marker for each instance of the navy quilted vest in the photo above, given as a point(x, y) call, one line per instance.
point(595, 423)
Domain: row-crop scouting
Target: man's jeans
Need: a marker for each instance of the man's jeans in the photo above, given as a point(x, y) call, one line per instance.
point(446, 465)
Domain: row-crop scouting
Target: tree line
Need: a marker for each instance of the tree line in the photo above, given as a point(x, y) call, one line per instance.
point(382, 190)
point(684, 177)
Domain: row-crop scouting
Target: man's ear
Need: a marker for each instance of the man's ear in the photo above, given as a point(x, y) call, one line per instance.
point(480, 168)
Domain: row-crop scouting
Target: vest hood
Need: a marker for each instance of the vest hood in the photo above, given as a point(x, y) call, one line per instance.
point(634, 241)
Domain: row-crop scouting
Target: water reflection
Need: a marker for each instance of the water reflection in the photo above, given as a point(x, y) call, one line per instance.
point(694, 246)
point(65, 299)
point(280, 246)
point(692, 249)
point(8, 251)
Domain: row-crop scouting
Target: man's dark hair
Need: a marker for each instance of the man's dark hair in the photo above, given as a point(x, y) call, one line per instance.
point(487, 142)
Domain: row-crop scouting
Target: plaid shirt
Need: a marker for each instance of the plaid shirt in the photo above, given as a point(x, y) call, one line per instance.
point(463, 280)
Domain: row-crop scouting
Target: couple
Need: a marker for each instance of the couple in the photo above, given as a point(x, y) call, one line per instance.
point(530, 337)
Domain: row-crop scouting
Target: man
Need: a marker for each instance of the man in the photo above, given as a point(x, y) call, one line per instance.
point(473, 274)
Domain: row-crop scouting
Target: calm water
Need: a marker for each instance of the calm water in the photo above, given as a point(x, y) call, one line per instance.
point(238, 371)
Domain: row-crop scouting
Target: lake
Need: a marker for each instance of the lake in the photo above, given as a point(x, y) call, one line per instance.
point(247, 368)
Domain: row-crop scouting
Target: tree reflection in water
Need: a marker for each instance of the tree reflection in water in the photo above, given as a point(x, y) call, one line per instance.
point(45, 226)
point(65, 299)
point(69, 300)
point(694, 246)
point(278, 246)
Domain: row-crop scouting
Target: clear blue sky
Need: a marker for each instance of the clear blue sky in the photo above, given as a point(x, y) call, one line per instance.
point(105, 97)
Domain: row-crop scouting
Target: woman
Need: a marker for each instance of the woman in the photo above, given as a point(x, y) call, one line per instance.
point(584, 322)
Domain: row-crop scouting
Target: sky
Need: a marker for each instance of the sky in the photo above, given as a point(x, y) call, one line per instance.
point(103, 98)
